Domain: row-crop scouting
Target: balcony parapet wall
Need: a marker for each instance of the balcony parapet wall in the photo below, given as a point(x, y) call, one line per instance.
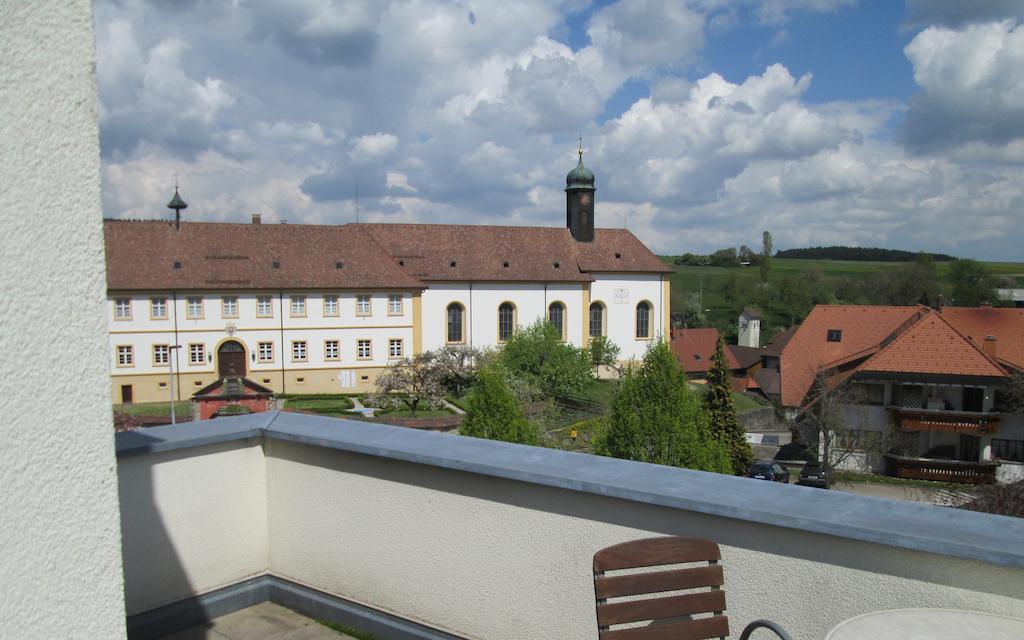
point(485, 539)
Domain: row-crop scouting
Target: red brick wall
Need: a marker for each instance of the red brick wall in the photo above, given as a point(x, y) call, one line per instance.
point(208, 407)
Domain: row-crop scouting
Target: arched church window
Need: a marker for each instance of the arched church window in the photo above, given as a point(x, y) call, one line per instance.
point(643, 320)
point(455, 319)
point(556, 316)
point(506, 321)
point(596, 319)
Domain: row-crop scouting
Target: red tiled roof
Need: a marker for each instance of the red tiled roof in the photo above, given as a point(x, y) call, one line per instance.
point(141, 255)
point(479, 252)
point(1007, 325)
point(863, 327)
point(932, 346)
point(213, 255)
point(695, 349)
point(779, 341)
point(746, 357)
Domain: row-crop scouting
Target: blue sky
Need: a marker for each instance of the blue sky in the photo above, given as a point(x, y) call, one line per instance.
point(878, 123)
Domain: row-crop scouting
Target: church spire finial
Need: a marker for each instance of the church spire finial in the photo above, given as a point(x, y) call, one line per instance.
point(177, 204)
point(580, 151)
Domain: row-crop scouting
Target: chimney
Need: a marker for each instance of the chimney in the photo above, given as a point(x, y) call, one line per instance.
point(990, 346)
point(941, 304)
point(257, 218)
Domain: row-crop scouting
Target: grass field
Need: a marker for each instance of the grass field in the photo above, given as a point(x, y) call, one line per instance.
point(183, 408)
point(709, 283)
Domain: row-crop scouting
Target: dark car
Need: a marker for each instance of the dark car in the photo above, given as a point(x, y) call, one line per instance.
point(813, 475)
point(768, 470)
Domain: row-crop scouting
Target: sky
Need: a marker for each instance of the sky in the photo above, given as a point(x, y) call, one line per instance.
point(865, 123)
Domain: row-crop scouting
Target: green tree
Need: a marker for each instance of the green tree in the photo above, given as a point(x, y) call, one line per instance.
point(493, 412)
point(656, 417)
point(604, 352)
point(722, 413)
point(766, 256)
point(538, 355)
point(972, 283)
point(412, 382)
point(909, 284)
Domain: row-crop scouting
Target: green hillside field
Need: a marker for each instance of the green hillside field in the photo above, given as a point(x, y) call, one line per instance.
point(712, 281)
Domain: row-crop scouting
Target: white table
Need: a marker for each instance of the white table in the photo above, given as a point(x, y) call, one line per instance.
point(928, 624)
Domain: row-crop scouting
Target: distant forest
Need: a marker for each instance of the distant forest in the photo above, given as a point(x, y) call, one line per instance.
point(857, 253)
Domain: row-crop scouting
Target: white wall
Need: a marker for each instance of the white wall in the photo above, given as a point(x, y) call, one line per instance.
point(490, 558)
point(481, 301)
point(211, 330)
point(192, 521)
point(621, 309)
point(61, 569)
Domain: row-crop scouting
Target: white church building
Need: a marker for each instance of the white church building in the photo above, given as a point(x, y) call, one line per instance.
point(324, 308)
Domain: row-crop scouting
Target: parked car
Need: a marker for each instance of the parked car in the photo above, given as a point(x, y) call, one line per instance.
point(768, 470)
point(813, 475)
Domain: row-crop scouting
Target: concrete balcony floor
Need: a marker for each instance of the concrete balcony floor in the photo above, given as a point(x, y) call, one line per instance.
point(264, 621)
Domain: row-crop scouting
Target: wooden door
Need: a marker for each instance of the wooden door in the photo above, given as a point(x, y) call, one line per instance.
point(231, 360)
point(126, 394)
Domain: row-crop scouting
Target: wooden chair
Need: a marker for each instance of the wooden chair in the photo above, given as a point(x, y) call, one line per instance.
point(670, 617)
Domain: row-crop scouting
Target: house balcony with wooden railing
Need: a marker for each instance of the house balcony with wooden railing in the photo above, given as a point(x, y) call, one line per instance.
point(969, 422)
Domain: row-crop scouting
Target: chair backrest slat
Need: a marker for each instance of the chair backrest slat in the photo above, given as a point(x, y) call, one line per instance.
point(660, 608)
point(649, 587)
point(716, 627)
point(655, 551)
point(638, 583)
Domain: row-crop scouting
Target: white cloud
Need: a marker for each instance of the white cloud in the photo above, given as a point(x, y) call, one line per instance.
point(373, 146)
point(971, 85)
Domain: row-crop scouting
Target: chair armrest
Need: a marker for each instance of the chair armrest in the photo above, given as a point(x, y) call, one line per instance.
point(767, 624)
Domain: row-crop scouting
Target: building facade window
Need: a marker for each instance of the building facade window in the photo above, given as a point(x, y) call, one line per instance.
point(394, 304)
point(229, 307)
point(265, 351)
point(161, 355)
point(596, 319)
point(506, 321)
point(364, 349)
point(264, 307)
point(1008, 449)
point(643, 321)
point(363, 307)
point(122, 309)
point(332, 350)
point(298, 306)
point(158, 308)
point(331, 305)
point(395, 348)
point(556, 316)
point(455, 317)
point(197, 354)
point(125, 355)
point(194, 307)
point(299, 350)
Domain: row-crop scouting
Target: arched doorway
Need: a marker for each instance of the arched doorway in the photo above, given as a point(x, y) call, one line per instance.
point(231, 360)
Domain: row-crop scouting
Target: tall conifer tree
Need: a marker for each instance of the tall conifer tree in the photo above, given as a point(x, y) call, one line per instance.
point(722, 413)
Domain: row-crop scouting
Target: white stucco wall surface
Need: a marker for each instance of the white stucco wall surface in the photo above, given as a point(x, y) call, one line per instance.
point(192, 521)
point(490, 558)
point(61, 571)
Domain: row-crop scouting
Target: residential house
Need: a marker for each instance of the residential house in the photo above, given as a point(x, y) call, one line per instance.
point(921, 385)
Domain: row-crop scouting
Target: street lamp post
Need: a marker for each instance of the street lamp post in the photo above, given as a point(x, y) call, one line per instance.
point(170, 361)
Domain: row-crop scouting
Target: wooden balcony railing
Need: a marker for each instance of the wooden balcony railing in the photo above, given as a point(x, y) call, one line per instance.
point(938, 420)
point(940, 470)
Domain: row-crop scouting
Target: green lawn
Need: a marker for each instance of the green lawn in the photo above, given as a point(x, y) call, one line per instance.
point(182, 408)
point(422, 413)
point(331, 405)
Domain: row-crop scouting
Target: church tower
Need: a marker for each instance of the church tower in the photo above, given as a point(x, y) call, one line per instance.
point(579, 202)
